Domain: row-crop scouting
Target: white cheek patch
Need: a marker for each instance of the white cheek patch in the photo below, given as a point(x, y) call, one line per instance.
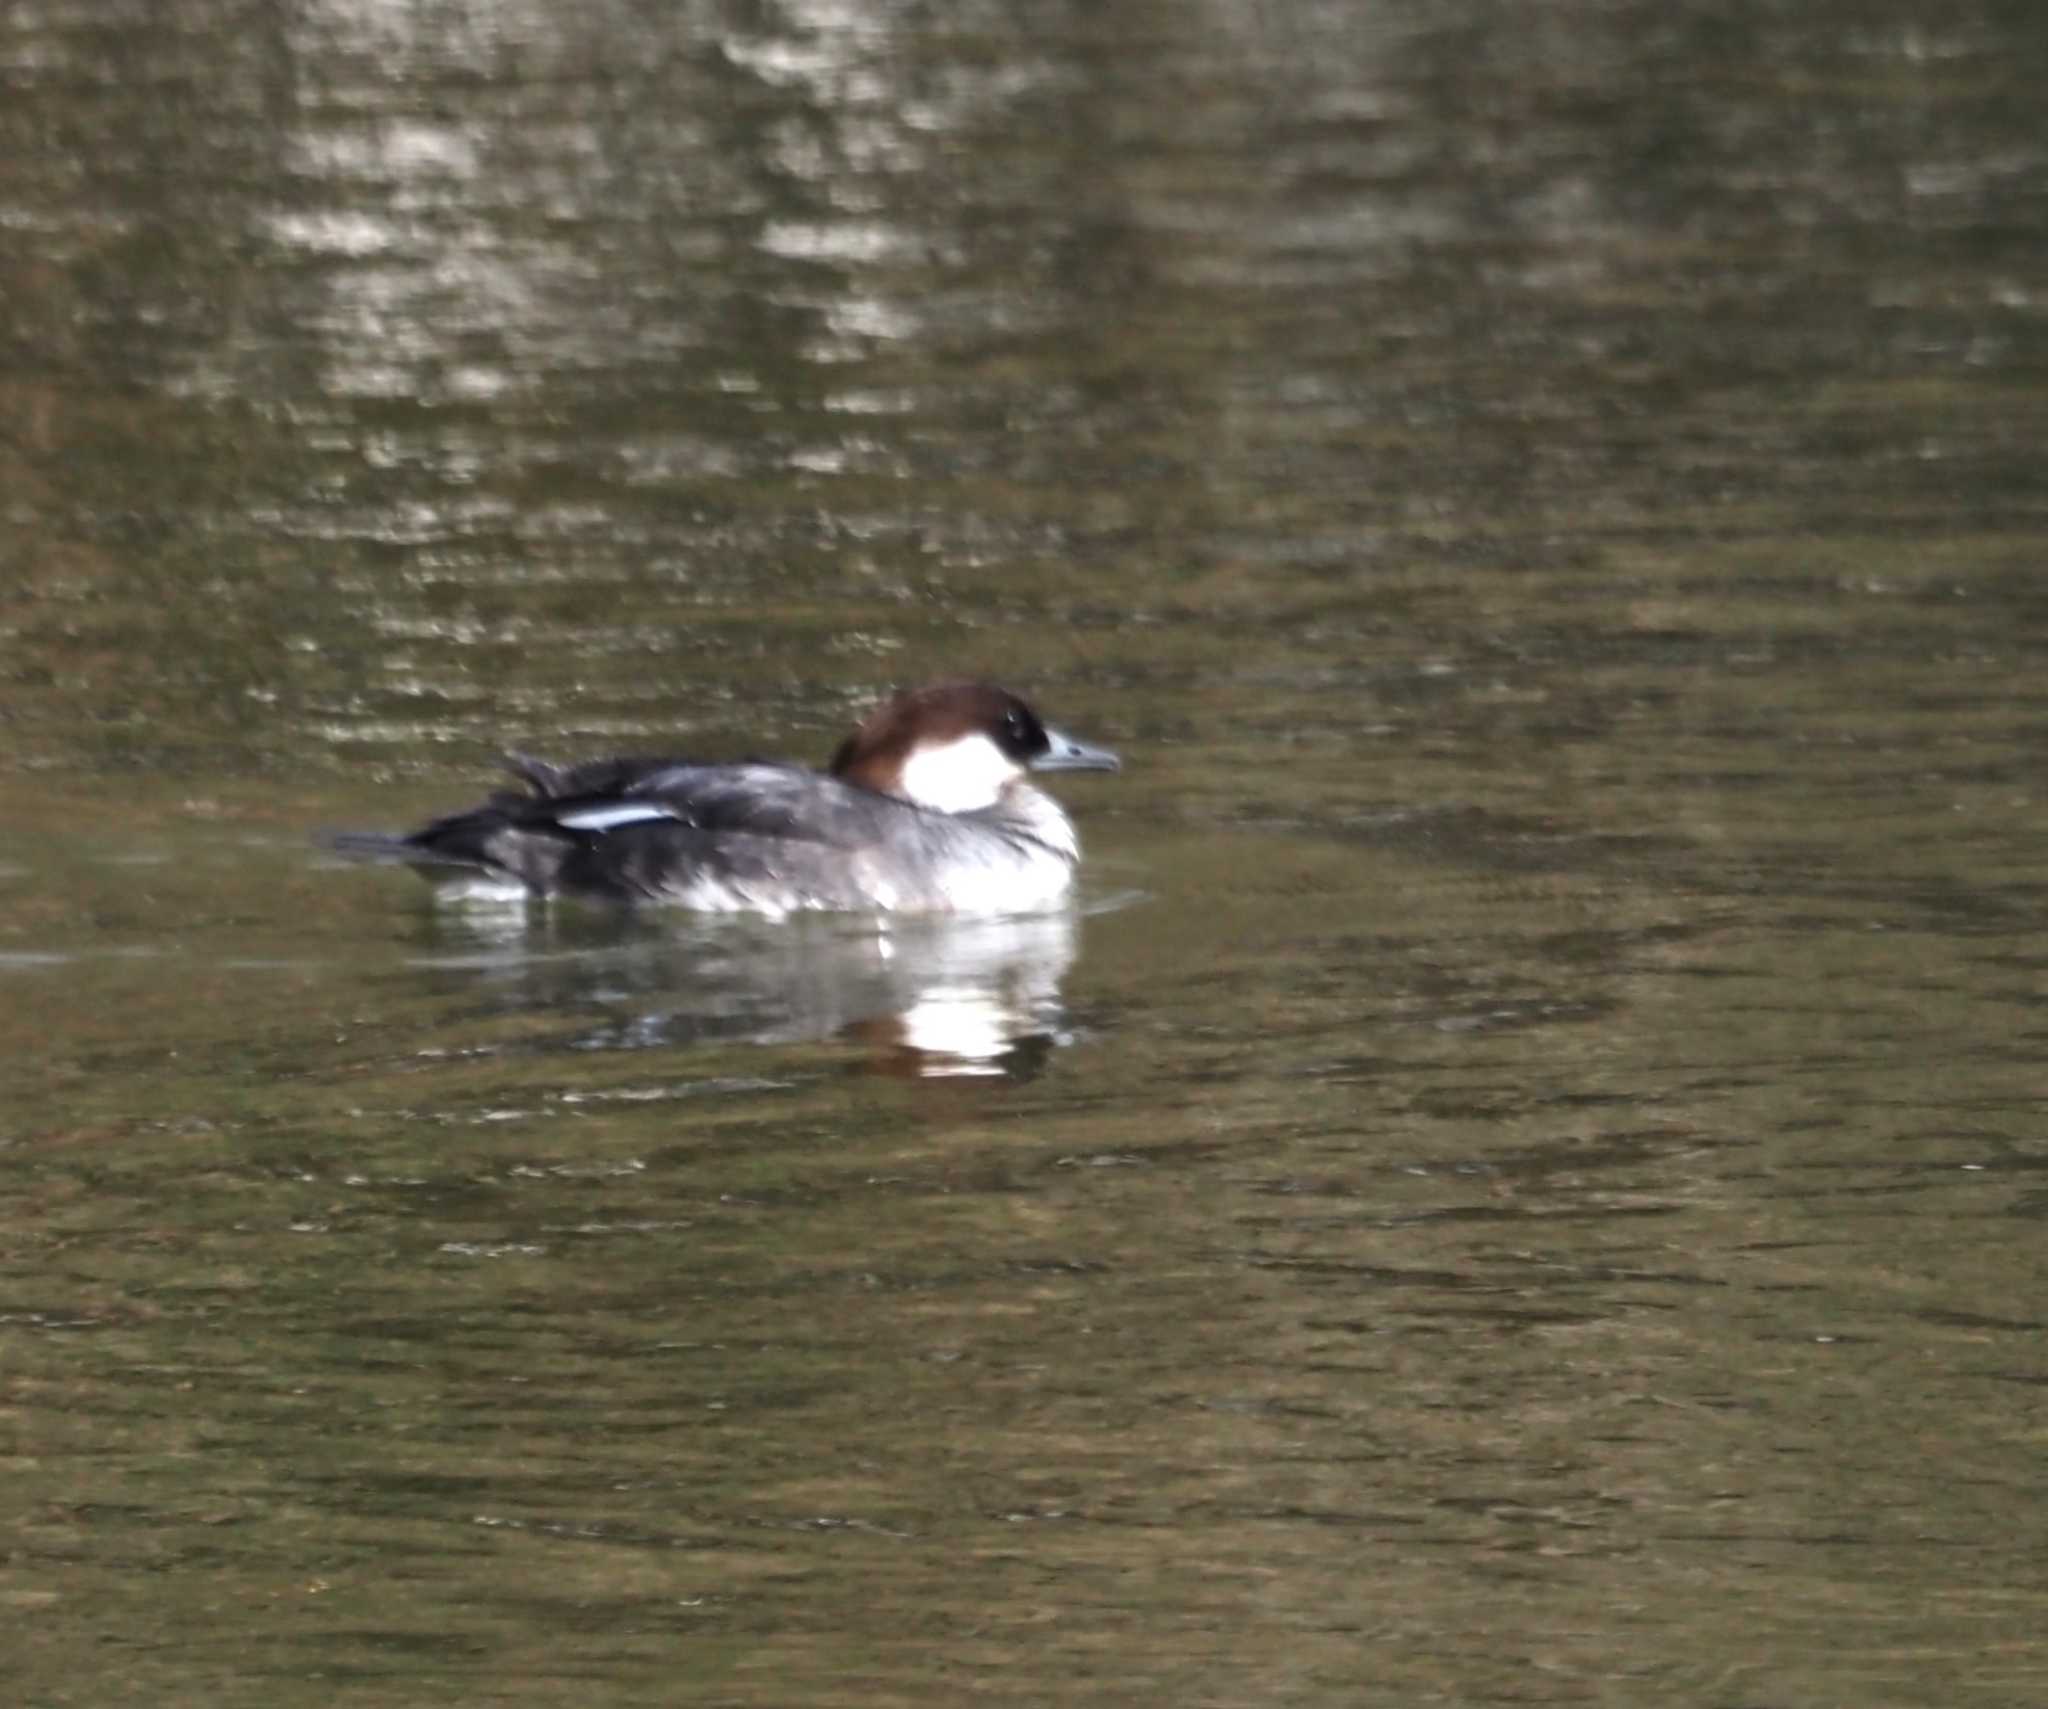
point(612, 815)
point(960, 776)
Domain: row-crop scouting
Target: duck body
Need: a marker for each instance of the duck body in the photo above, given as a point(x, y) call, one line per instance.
point(926, 808)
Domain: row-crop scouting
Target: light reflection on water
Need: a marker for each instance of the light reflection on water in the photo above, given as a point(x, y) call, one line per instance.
point(925, 996)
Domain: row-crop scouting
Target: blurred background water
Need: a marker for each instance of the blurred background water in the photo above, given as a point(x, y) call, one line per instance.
point(1522, 1181)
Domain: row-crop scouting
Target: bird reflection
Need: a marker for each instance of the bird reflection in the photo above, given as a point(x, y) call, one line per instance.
point(924, 996)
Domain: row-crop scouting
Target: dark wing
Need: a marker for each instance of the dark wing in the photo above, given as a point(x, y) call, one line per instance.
point(767, 800)
point(612, 776)
point(754, 797)
point(755, 835)
point(642, 827)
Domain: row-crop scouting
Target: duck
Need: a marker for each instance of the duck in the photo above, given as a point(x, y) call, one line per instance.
point(927, 807)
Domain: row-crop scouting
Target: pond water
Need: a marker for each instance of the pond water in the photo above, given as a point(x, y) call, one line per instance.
point(1522, 1180)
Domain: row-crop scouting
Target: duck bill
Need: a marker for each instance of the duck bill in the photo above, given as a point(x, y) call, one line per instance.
point(1066, 754)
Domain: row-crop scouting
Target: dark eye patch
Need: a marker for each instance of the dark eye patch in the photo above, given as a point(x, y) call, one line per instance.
point(1021, 736)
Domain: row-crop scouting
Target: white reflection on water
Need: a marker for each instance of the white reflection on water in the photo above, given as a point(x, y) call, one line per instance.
point(924, 996)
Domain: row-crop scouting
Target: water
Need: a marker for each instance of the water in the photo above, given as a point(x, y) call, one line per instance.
point(1520, 1183)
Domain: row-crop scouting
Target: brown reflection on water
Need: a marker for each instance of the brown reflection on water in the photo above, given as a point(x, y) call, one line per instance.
point(1345, 1279)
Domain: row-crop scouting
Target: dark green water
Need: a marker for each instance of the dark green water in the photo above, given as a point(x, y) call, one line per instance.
point(1523, 1183)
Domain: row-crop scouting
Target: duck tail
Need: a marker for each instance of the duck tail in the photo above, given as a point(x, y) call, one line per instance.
point(387, 849)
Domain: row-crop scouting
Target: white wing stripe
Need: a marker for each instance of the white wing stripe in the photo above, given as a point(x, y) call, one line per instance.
point(613, 815)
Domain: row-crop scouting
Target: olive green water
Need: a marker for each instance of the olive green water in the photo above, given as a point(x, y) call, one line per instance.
point(1522, 1183)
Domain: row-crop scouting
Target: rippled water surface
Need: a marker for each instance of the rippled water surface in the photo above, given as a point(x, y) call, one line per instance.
point(1523, 1178)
